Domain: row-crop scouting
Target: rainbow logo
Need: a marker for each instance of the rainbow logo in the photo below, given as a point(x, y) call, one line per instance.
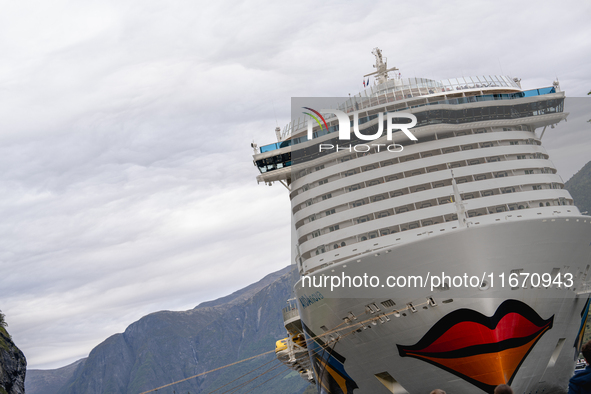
point(315, 118)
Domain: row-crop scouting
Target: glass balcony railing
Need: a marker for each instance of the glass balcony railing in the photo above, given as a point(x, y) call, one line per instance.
point(459, 100)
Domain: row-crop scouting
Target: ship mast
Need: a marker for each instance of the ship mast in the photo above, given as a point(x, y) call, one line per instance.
point(381, 67)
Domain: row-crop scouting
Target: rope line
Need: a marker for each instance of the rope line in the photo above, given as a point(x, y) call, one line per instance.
point(206, 372)
point(234, 389)
point(219, 388)
point(272, 377)
point(352, 328)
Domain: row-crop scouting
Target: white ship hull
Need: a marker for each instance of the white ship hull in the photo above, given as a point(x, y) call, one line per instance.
point(544, 365)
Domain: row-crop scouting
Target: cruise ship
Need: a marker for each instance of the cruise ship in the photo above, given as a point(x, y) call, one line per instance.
point(436, 246)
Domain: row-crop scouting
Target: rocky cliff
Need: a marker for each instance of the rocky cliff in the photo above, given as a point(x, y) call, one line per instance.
point(167, 346)
point(13, 364)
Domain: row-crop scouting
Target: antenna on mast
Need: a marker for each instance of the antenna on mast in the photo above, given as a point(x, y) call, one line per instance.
point(381, 67)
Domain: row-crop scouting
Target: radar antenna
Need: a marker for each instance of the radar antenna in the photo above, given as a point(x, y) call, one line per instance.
point(381, 67)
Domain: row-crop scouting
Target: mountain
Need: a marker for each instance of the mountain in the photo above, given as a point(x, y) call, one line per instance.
point(50, 381)
point(579, 186)
point(167, 346)
point(13, 364)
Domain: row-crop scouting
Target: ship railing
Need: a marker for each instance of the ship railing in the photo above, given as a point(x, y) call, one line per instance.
point(290, 313)
point(359, 103)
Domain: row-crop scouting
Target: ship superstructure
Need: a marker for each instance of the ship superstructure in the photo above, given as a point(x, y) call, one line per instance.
point(476, 191)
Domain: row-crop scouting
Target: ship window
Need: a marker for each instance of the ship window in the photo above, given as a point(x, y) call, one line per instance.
point(364, 238)
point(334, 228)
point(433, 169)
point(322, 182)
point(327, 196)
point(547, 204)
point(358, 203)
point(383, 214)
point(480, 177)
point(378, 198)
point(374, 182)
point(468, 196)
point(402, 210)
point(467, 147)
point(319, 167)
point(541, 204)
point(420, 189)
point(493, 159)
point(472, 162)
point(373, 235)
point(426, 205)
point(396, 194)
point(354, 187)
point(363, 219)
point(343, 244)
point(385, 232)
point(392, 178)
point(448, 151)
point(413, 226)
point(349, 173)
point(427, 222)
point(462, 180)
point(521, 207)
point(330, 212)
point(416, 173)
point(438, 185)
point(335, 246)
point(456, 165)
point(316, 234)
point(500, 209)
point(487, 193)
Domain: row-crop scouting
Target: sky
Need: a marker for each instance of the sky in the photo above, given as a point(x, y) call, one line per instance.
point(127, 183)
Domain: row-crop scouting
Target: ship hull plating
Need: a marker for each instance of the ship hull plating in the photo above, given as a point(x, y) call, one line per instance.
point(462, 340)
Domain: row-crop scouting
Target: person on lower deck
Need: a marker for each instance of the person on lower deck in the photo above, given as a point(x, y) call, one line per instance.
point(581, 382)
point(503, 389)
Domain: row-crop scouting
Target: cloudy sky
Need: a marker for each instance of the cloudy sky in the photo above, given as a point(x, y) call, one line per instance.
point(127, 184)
